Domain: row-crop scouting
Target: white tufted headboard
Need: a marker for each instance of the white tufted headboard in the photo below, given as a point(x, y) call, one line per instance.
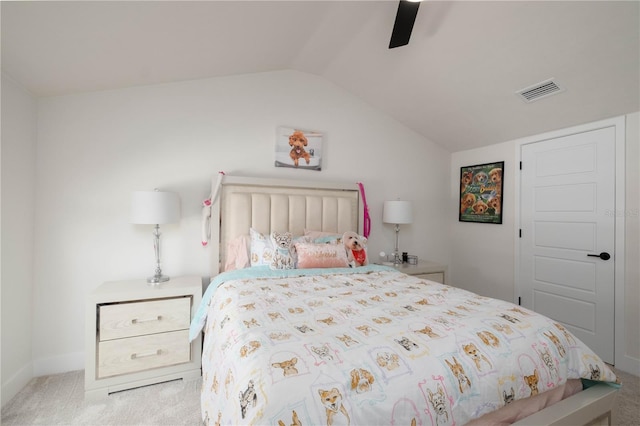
point(280, 205)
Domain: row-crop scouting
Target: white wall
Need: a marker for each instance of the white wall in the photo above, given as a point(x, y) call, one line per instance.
point(18, 206)
point(632, 242)
point(94, 149)
point(483, 256)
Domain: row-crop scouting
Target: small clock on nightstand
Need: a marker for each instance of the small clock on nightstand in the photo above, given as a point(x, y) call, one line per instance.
point(424, 269)
point(138, 334)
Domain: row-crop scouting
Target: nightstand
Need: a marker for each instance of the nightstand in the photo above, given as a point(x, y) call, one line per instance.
point(138, 334)
point(424, 269)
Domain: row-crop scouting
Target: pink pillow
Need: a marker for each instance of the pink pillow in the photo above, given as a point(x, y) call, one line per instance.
point(321, 256)
point(238, 253)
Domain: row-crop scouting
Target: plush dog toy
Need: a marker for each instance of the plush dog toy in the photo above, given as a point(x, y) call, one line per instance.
point(282, 246)
point(356, 249)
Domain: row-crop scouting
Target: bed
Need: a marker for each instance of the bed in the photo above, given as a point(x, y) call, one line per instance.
point(329, 344)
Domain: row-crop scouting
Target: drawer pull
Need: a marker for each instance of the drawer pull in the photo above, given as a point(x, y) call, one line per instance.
point(146, 354)
point(138, 321)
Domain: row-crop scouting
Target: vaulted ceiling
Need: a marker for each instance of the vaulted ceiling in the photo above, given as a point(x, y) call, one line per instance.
point(454, 83)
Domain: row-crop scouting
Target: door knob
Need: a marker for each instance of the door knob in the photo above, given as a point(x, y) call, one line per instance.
point(604, 255)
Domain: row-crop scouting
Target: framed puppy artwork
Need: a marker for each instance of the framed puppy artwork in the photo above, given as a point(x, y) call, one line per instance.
point(481, 193)
point(297, 148)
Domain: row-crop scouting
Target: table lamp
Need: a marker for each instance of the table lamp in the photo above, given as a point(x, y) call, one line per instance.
point(397, 212)
point(155, 208)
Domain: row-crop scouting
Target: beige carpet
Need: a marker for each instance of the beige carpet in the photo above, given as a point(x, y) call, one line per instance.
point(59, 400)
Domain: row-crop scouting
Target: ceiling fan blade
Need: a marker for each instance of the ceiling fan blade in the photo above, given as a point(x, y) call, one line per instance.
point(405, 18)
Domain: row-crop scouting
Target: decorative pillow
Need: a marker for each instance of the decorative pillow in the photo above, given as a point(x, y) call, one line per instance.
point(321, 237)
point(329, 239)
point(302, 239)
point(237, 253)
point(321, 256)
point(282, 247)
point(261, 249)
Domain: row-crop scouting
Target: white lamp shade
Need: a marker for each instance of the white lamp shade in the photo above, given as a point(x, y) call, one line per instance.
point(397, 212)
point(155, 207)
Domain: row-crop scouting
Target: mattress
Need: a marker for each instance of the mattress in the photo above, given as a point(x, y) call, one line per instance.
point(372, 345)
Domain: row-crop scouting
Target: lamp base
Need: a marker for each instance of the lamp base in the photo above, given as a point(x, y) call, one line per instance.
point(396, 252)
point(157, 279)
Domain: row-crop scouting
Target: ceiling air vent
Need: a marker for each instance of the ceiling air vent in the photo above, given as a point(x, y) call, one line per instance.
point(540, 90)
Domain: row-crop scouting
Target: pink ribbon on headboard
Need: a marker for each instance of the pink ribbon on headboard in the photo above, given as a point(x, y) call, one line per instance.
point(366, 223)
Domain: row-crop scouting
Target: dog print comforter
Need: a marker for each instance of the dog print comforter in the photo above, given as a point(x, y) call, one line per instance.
point(371, 345)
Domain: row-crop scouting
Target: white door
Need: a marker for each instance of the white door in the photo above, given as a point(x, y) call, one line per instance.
point(567, 221)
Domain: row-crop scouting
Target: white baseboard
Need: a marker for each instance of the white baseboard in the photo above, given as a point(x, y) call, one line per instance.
point(58, 364)
point(628, 364)
point(15, 383)
point(41, 367)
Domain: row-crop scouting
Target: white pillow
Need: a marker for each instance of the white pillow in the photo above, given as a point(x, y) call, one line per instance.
point(262, 251)
point(261, 248)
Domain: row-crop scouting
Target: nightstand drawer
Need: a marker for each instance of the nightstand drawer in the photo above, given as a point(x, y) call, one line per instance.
point(142, 353)
point(141, 318)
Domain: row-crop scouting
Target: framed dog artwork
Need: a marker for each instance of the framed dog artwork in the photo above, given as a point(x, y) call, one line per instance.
point(481, 193)
point(299, 149)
